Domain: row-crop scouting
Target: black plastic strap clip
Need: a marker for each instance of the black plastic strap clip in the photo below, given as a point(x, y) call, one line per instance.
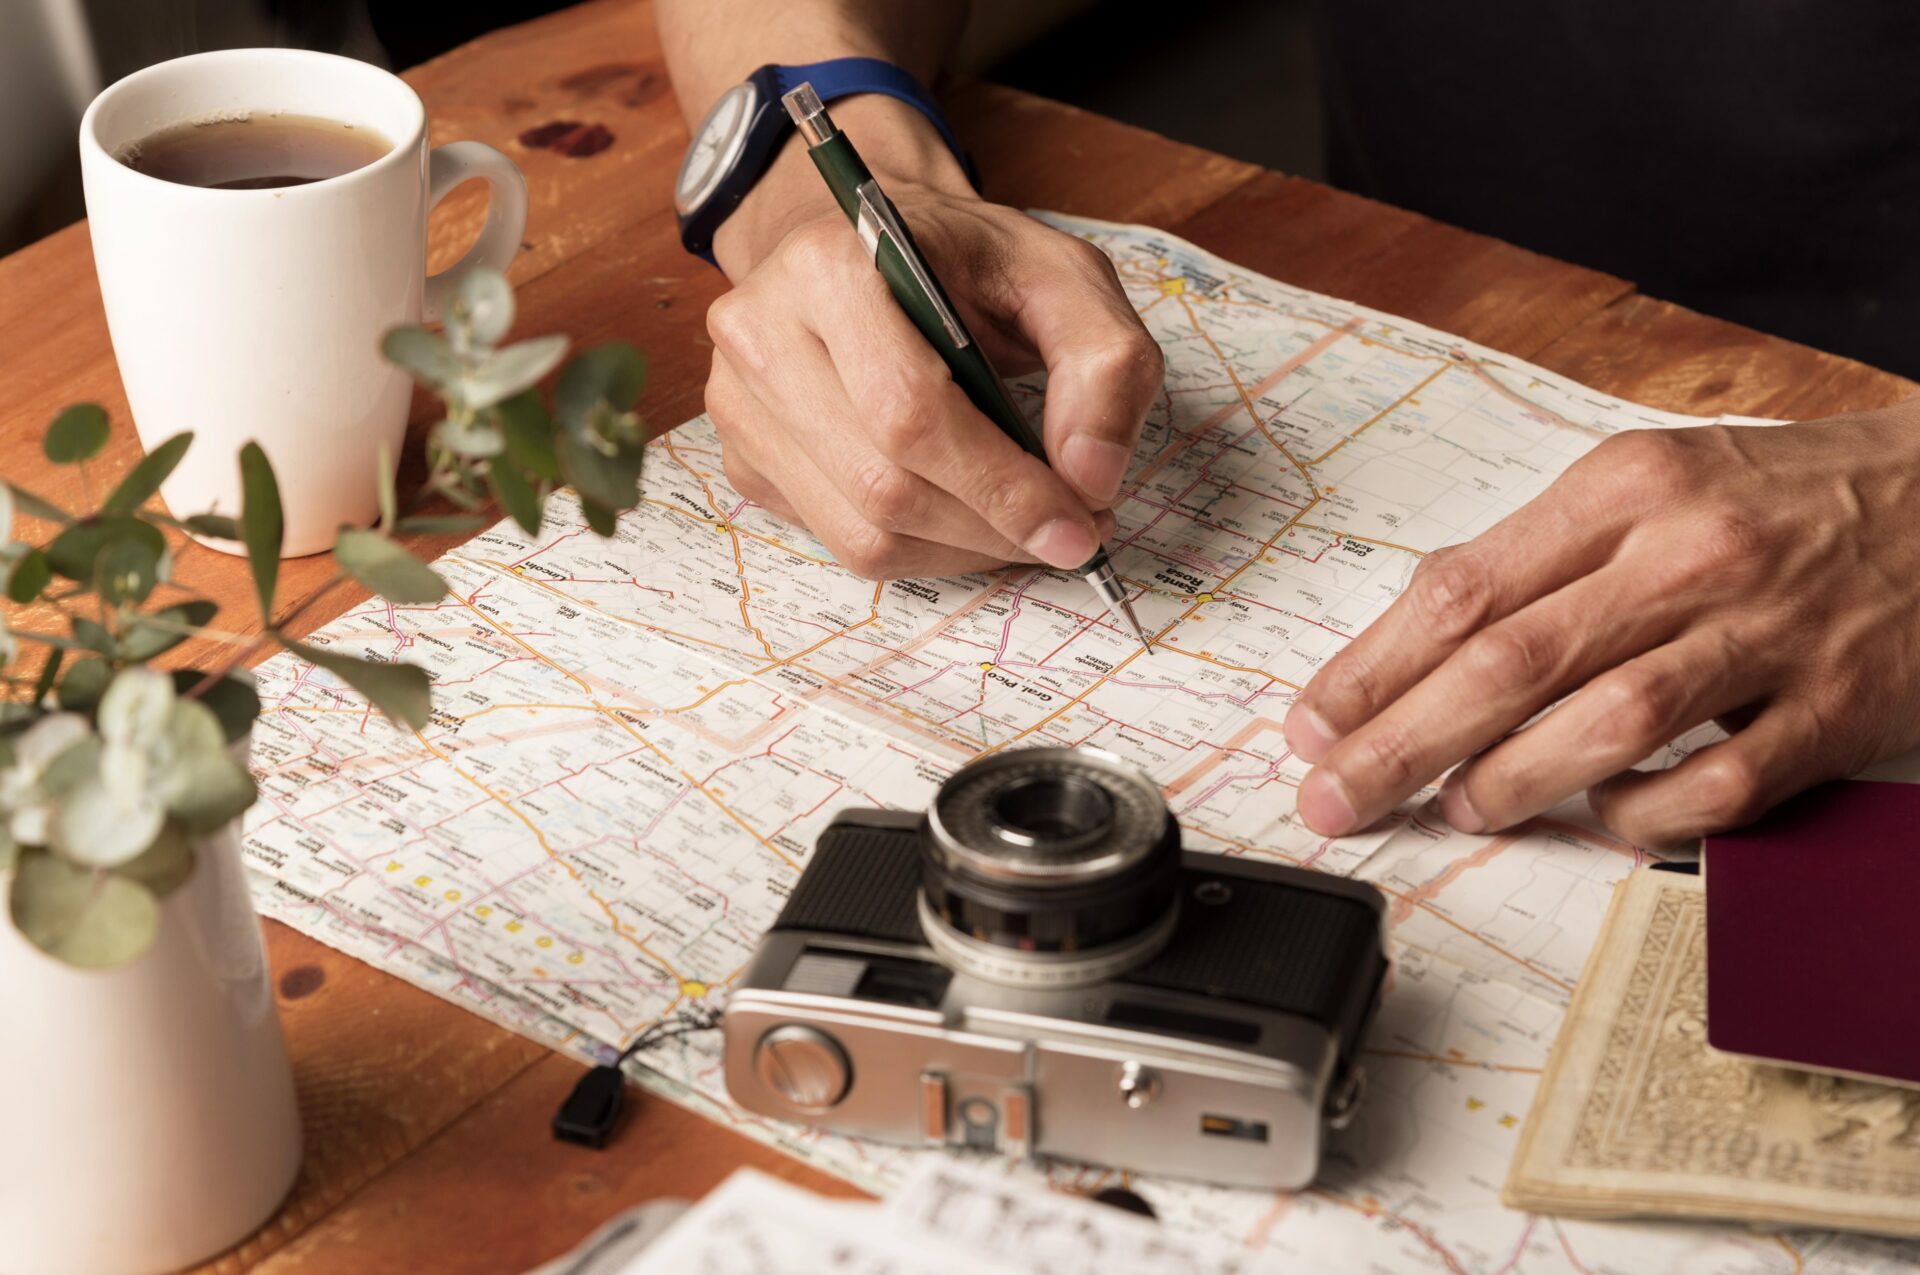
point(592, 1111)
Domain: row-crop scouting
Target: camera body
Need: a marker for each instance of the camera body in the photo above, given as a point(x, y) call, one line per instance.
point(1192, 1015)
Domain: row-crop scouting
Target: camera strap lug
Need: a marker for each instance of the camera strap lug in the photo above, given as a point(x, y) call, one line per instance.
point(1016, 1122)
point(933, 1107)
point(1344, 1101)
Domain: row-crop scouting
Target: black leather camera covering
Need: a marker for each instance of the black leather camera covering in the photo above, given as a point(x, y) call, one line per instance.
point(1284, 939)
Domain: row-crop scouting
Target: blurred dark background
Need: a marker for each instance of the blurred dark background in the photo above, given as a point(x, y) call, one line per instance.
point(1258, 101)
point(1765, 170)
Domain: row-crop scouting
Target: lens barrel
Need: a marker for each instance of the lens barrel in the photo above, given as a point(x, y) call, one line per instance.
point(1055, 853)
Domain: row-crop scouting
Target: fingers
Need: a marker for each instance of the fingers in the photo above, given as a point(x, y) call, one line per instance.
point(755, 447)
point(1455, 593)
point(1724, 785)
point(751, 483)
point(1490, 684)
point(1104, 369)
point(842, 372)
point(891, 496)
point(1613, 723)
point(919, 421)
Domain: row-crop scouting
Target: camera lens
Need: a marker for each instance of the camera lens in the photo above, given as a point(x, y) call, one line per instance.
point(1052, 813)
point(1050, 866)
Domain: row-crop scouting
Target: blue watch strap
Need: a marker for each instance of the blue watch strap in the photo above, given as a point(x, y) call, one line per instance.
point(833, 79)
point(845, 77)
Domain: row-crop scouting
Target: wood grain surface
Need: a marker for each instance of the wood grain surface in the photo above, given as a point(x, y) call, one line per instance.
point(427, 1143)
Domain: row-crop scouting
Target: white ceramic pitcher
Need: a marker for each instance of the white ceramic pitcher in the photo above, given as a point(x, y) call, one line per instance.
point(147, 1115)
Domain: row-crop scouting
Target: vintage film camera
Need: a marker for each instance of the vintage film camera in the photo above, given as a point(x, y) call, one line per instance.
point(1033, 966)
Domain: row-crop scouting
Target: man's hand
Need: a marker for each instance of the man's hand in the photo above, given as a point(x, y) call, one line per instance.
point(834, 411)
point(1767, 578)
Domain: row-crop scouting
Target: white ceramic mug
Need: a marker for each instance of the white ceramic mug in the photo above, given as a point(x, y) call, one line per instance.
point(257, 314)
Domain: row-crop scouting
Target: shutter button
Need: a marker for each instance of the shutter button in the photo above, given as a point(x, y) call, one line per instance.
point(1138, 1086)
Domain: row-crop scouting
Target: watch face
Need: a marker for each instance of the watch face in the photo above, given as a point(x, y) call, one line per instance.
point(716, 148)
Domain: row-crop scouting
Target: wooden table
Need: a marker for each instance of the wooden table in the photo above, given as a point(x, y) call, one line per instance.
point(426, 1126)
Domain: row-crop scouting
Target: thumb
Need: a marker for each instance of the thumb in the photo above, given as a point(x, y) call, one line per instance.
point(1104, 370)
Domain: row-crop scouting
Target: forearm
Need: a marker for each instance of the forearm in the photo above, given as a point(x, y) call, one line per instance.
point(711, 45)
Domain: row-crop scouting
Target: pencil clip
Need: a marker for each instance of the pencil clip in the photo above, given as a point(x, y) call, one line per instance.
point(877, 218)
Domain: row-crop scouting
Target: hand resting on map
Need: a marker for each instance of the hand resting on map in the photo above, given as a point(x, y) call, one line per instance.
point(834, 412)
point(1767, 578)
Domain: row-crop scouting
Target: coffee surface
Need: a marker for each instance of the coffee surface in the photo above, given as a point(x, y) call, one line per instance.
point(255, 153)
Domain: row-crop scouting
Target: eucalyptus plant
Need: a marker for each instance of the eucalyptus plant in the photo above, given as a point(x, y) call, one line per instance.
point(110, 768)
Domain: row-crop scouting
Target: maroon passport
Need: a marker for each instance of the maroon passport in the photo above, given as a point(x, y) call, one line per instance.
point(1813, 933)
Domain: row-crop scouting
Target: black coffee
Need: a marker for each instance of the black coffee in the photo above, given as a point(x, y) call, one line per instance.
point(255, 153)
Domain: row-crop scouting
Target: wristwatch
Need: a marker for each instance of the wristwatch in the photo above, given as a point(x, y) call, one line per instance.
point(740, 137)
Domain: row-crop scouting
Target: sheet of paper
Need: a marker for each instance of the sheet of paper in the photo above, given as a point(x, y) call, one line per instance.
point(1014, 1218)
point(759, 1224)
point(636, 741)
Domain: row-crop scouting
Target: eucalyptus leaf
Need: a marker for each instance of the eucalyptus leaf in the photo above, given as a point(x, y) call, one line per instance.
point(507, 371)
point(482, 306)
point(48, 671)
point(460, 496)
point(92, 920)
point(146, 636)
point(613, 374)
point(516, 495)
point(46, 639)
point(221, 791)
point(400, 691)
point(32, 504)
point(30, 574)
point(233, 701)
point(261, 523)
point(9, 848)
point(214, 790)
point(192, 728)
point(75, 552)
point(90, 635)
point(77, 434)
point(422, 353)
point(144, 479)
point(216, 526)
point(137, 708)
point(164, 866)
point(602, 520)
point(104, 822)
point(386, 568)
point(529, 434)
point(127, 569)
point(610, 481)
point(84, 684)
point(439, 524)
point(74, 758)
point(473, 438)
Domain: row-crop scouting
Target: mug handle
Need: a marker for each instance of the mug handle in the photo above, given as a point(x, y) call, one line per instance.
point(499, 239)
